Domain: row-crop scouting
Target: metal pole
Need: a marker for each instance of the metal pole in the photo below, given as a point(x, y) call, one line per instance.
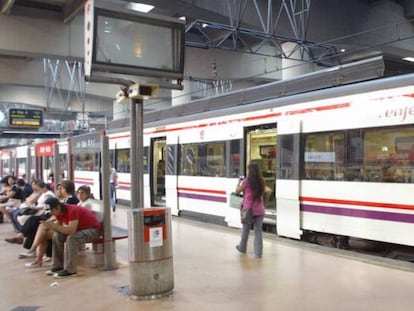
point(137, 153)
point(28, 165)
point(56, 164)
point(109, 258)
point(11, 164)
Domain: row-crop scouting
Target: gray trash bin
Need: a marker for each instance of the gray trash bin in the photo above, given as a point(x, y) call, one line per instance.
point(150, 253)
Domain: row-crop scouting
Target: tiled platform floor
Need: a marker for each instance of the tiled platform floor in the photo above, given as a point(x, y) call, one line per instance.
point(210, 275)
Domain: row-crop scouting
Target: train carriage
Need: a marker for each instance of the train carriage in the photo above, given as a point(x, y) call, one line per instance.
point(341, 159)
point(338, 160)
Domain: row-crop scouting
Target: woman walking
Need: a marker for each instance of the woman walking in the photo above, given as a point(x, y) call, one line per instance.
point(253, 188)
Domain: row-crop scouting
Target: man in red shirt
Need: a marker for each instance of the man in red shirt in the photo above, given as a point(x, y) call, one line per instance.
point(74, 225)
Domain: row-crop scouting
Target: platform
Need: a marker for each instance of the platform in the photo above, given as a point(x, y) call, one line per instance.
point(210, 274)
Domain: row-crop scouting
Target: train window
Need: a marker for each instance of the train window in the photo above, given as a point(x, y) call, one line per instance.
point(21, 165)
point(389, 154)
point(324, 156)
point(145, 160)
point(171, 167)
point(288, 155)
point(204, 159)
point(48, 162)
point(235, 158)
point(122, 164)
point(374, 155)
point(85, 162)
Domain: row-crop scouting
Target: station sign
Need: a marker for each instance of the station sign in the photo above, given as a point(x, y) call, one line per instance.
point(25, 117)
point(45, 149)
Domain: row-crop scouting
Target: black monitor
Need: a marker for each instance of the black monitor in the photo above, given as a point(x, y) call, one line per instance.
point(128, 42)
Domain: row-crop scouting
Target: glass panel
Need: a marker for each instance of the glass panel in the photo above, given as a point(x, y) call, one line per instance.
point(376, 155)
point(21, 164)
point(171, 155)
point(123, 164)
point(324, 156)
point(235, 158)
point(206, 159)
point(188, 159)
point(85, 162)
point(145, 160)
point(285, 154)
point(354, 156)
point(48, 162)
point(389, 154)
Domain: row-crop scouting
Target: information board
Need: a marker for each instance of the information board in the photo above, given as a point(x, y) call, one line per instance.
point(25, 117)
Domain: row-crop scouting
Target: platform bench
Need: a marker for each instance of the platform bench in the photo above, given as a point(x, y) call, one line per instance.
point(98, 245)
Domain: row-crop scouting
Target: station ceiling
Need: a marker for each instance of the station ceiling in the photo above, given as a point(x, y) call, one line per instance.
point(350, 28)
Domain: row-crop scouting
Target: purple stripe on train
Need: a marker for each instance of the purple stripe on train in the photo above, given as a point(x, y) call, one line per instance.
point(357, 213)
point(202, 197)
point(83, 182)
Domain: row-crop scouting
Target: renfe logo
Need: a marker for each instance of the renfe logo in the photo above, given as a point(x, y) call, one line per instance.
point(402, 113)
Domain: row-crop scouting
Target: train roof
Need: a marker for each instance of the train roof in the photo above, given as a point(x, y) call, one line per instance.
point(242, 100)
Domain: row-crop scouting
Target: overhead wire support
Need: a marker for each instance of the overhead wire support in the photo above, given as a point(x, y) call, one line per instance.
point(235, 36)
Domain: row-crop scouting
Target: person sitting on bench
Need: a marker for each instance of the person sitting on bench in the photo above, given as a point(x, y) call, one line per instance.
point(74, 225)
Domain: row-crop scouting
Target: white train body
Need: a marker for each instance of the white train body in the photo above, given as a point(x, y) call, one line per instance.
point(339, 161)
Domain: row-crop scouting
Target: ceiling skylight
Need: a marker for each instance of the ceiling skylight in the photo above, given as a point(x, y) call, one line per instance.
point(139, 7)
point(409, 59)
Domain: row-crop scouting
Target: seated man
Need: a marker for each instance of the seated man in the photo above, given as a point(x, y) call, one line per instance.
point(74, 225)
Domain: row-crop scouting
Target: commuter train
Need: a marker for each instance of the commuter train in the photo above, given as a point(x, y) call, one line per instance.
point(338, 160)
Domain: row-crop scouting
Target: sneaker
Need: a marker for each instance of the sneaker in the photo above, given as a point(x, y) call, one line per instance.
point(238, 248)
point(64, 273)
point(47, 259)
point(27, 254)
point(15, 240)
point(53, 271)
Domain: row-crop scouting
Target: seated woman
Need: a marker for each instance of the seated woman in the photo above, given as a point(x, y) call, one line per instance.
point(85, 197)
point(30, 226)
point(13, 198)
point(68, 191)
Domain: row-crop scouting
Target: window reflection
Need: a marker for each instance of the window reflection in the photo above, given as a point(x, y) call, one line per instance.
point(375, 155)
point(204, 159)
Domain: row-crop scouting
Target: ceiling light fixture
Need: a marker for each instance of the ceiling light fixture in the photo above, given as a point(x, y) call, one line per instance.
point(139, 7)
point(409, 59)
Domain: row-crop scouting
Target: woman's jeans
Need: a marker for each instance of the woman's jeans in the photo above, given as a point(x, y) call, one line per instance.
point(258, 239)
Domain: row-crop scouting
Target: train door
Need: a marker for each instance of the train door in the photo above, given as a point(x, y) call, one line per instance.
point(261, 148)
point(21, 161)
point(44, 159)
point(288, 183)
point(157, 171)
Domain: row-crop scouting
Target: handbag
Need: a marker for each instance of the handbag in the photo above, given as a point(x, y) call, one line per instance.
point(246, 216)
point(236, 200)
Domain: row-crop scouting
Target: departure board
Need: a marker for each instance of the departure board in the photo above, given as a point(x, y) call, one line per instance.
point(25, 117)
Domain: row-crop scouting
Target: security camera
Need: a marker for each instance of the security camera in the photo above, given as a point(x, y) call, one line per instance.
point(144, 91)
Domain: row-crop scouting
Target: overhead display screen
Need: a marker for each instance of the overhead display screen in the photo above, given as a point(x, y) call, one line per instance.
point(25, 117)
point(132, 43)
